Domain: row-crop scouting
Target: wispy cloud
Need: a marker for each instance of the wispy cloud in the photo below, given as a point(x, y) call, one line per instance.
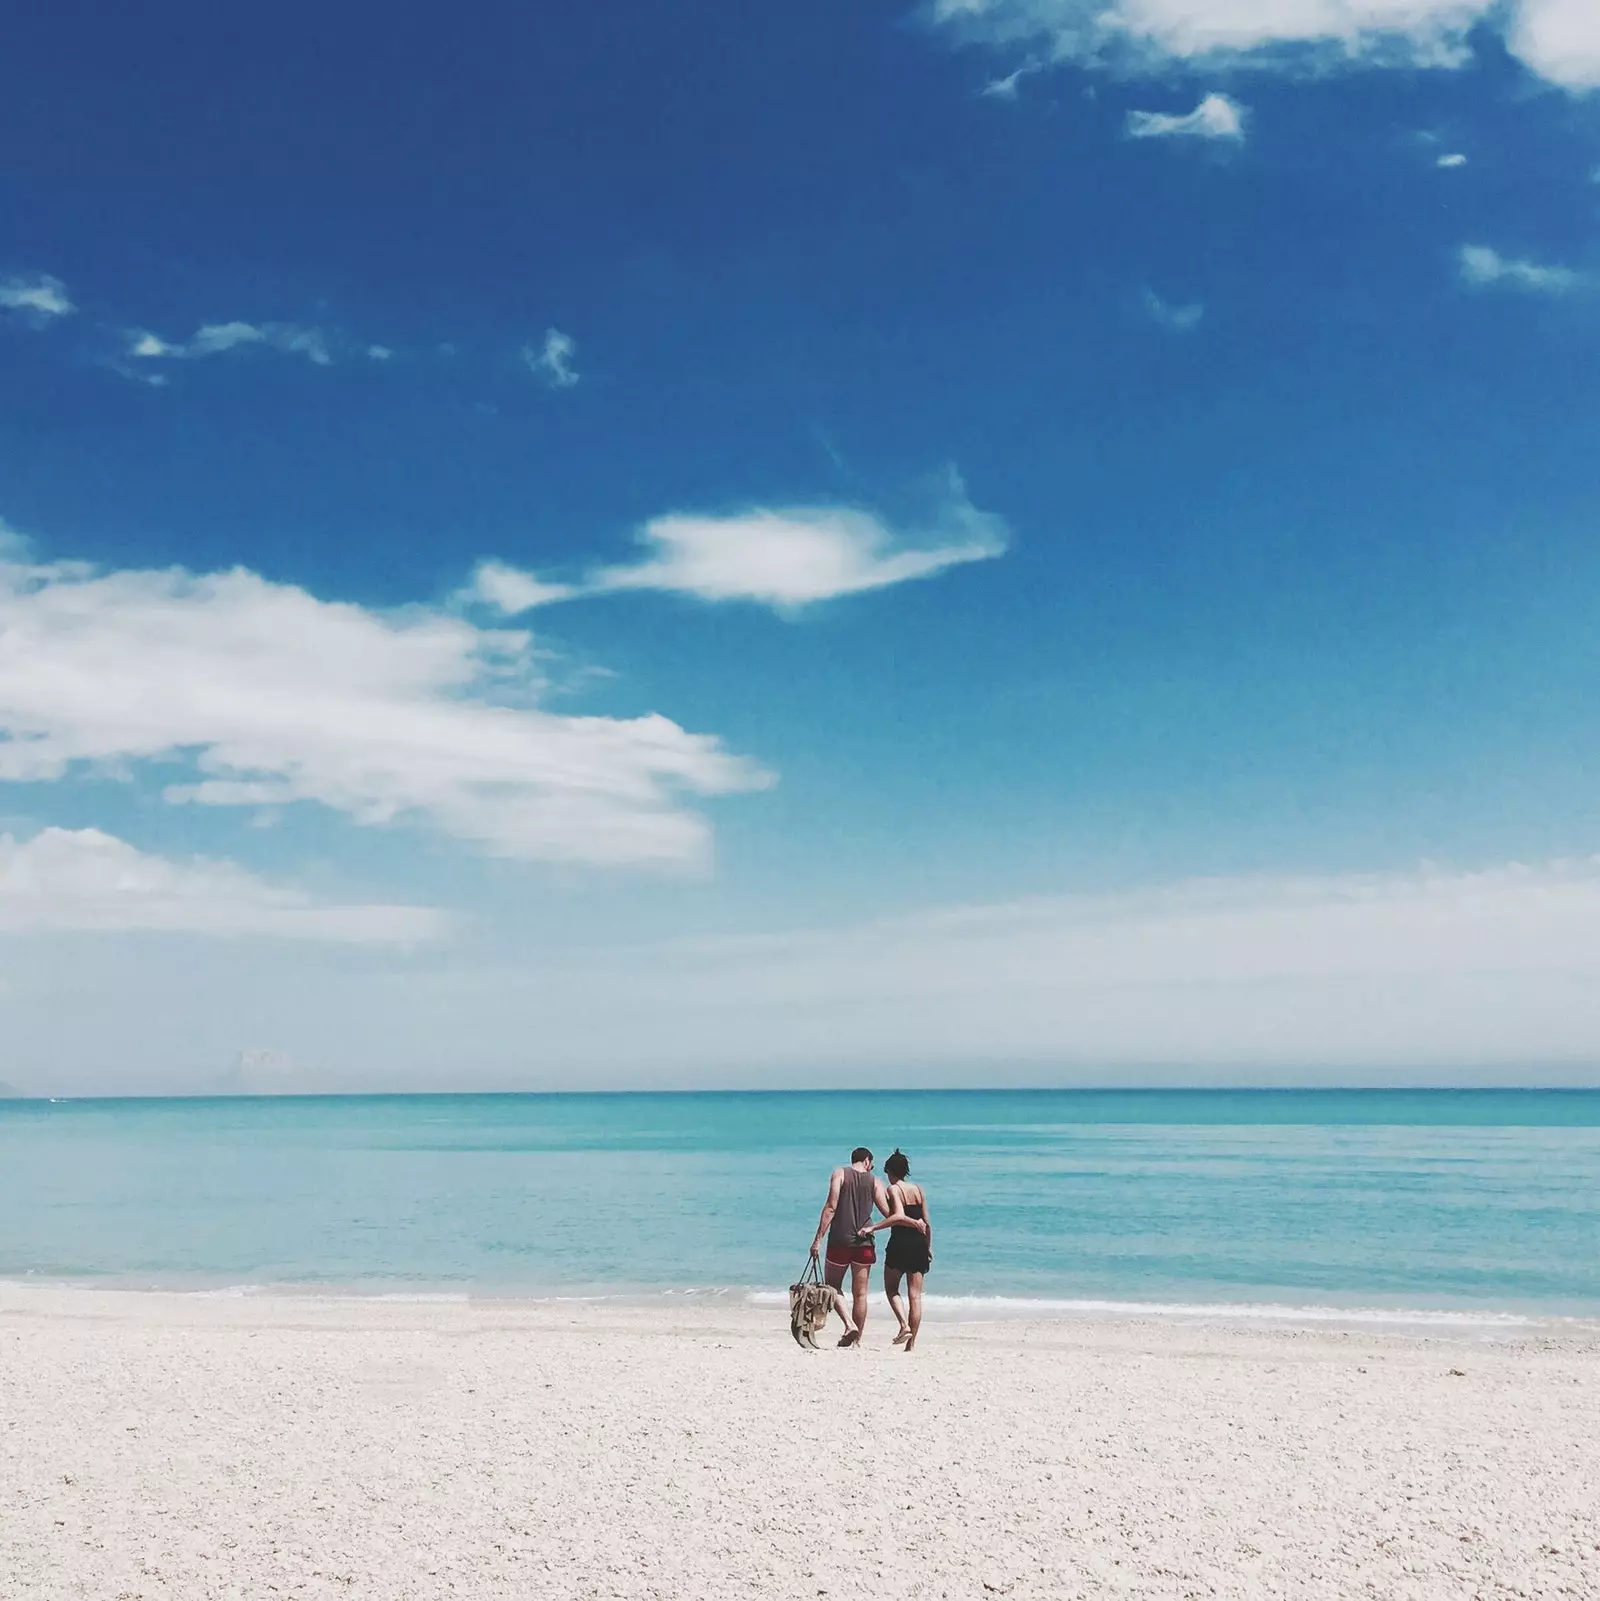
point(1006, 88)
point(1557, 39)
point(1484, 268)
point(1216, 117)
point(217, 338)
point(83, 880)
point(1178, 319)
point(268, 695)
point(786, 557)
point(552, 360)
point(1452, 159)
point(40, 299)
point(311, 343)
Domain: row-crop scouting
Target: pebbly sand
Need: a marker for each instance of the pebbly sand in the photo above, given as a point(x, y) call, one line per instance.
point(158, 1445)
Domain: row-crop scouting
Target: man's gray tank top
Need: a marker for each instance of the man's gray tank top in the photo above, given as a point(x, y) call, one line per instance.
point(854, 1211)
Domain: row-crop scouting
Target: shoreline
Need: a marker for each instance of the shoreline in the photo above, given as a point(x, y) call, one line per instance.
point(160, 1445)
point(1480, 1321)
point(761, 1314)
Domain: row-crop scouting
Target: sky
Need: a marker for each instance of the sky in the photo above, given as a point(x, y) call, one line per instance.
point(622, 545)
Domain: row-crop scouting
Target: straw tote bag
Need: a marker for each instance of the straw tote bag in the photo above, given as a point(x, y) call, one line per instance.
point(810, 1302)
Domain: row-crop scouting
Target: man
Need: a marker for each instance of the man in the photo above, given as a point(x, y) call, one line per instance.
point(852, 1194)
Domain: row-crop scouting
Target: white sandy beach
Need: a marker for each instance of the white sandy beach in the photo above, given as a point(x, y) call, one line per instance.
point(159, 1445)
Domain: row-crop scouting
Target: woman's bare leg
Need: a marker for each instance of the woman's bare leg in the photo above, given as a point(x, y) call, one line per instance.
point(891, 1288)
point(914, 1286)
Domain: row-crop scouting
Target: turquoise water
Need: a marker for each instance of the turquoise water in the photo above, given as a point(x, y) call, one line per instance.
point(1472, 1199)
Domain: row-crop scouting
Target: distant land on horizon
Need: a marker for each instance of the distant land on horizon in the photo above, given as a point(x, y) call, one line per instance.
point(263, 1072)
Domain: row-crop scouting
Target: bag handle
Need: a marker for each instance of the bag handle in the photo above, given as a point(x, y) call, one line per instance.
point(813, 1271)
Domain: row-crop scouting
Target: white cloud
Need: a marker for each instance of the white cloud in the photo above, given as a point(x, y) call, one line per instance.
point(213, 338)
point(785, 558)
point(84, 880)
point(511, 591)
point(1560, 40)
point(1557, 39)
point(1454, 159)
point(552, 360)
point(798, 555)
point(267, 695)
point(217, 338)
point(379, 353)
point(40, 298)
point(1484, 268)
point(1178, 319)
point(1216, 117)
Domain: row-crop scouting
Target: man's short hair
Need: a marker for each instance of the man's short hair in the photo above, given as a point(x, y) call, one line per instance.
point(861, 1154)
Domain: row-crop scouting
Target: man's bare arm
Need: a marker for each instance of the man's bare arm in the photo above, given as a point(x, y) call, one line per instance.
point(830, 1206)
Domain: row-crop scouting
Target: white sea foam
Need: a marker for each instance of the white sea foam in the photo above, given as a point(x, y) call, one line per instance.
point(427, 1297)
point(1009, 1306)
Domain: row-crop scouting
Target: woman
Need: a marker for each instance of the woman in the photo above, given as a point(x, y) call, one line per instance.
point(910, 1253)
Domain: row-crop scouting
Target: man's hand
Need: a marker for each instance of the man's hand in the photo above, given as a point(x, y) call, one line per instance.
point(816, 1250)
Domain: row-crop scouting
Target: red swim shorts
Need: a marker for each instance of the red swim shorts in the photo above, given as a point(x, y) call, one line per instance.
point(852, 1255)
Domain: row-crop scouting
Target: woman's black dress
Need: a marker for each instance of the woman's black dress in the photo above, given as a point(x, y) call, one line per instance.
point(908, 1248)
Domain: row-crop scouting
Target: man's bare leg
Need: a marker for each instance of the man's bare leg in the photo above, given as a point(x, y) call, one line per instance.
point(860, 1284)
point(891, 1288)
point(834, 1274)
point(914, 1289)
point(839, 1306)
point(835, 1278)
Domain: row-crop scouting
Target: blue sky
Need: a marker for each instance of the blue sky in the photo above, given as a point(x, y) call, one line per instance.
point(1008, 539)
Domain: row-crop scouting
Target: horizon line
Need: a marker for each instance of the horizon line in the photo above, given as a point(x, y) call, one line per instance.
point(15, 1095)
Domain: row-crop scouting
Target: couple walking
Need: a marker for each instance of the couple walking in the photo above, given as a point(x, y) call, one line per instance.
point(847, 1225)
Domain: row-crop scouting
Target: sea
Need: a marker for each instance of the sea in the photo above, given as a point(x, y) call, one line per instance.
point(1468, 1208)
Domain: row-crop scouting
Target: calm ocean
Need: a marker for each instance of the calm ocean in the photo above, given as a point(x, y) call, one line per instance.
point(1451, 1201)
